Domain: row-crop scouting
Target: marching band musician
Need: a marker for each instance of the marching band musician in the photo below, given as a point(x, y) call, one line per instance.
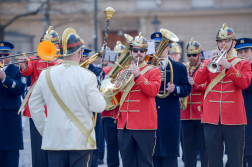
point(137, 120)
point(168, 109)
point(96, 70)
point(68, 132)
point(224, 116)
point(175, 51)
point(98, 128)
point(244, 49)
point(106, 63)
point(33, 69)
point(119, 47)
point(191, 127)
point(110, 125)
point(12, 85)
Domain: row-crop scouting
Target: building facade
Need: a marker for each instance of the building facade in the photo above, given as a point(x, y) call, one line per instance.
point(186, 18)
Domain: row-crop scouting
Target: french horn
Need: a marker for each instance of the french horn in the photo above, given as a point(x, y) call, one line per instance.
point(108, 87)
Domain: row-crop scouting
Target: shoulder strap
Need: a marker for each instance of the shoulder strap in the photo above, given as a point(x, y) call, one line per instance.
point(131, 84)
point(25, 101)
point(70, 114)
point(219, 77)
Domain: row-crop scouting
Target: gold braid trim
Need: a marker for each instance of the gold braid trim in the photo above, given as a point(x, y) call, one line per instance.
point(237, 73)
point(129, 87)
point(219, 77)
point(25, 101)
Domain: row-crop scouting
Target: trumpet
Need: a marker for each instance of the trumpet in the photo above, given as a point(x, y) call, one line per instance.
point(213, 66)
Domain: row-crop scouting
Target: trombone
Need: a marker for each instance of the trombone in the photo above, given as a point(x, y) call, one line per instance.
point(46, 51)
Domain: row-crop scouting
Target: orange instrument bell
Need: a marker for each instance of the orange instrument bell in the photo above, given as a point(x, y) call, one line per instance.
point(47, 50)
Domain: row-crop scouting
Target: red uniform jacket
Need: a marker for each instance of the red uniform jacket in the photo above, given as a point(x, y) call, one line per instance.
point(34, 68)
point(112, 113)
point(139, 111)
point(224, 103)
point(194, 101)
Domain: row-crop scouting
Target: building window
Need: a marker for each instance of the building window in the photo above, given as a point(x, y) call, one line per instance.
point(10, 0)
point(145, 5)
point(202, 3)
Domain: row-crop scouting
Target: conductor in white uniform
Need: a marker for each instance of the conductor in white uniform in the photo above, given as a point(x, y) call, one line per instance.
point(71, 95)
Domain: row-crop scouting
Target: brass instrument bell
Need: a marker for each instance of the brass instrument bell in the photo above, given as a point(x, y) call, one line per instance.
point(213, 66)
point(167, 38)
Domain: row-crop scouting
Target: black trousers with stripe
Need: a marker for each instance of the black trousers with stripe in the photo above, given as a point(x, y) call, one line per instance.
point(39, 156)
point(137, 147)
point(193, 135)
point(73, 158)
point(233, 138)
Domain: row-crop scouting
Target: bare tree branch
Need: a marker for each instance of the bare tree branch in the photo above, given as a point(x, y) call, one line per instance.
point(23, 15)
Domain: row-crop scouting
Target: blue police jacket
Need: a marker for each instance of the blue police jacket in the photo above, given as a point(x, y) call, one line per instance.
point(98, 129)
point(168, 109)
point(247, 95)
point(11, 137)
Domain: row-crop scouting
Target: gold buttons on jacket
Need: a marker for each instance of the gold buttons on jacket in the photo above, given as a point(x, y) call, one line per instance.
point(158, 106)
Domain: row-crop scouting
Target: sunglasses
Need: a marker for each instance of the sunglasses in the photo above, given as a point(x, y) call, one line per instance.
point(221, 40)
point(135, 50)
point(193, 55)
point(3, 55)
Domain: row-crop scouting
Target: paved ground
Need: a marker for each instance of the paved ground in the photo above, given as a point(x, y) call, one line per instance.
point(25, 155)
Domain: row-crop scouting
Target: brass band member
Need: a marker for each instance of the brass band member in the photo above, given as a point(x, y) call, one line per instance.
point(168, 109)
point(33, 69)
point(224, 115)
point(175, 51)
point(110, 125)
point(71, 95)
point(191, 127)
point(244, 49)
point(137, 122)
point(12, 85)
point(98, 128)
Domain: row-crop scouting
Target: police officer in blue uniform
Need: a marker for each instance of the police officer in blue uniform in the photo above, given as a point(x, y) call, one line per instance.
point(12, 85)
point(98, 128)
point(244, 49)
point(168, 109)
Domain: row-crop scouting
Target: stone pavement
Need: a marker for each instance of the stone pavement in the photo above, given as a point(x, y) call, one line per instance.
point(25, 155)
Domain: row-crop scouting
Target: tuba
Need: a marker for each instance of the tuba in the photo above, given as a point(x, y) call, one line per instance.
point(167, 38)
point(107, 86)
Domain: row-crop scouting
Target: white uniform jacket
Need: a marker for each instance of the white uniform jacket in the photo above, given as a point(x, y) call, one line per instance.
point(77, 88)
